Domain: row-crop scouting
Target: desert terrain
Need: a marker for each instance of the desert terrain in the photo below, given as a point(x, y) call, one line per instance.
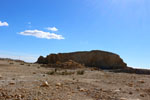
point(27, 81)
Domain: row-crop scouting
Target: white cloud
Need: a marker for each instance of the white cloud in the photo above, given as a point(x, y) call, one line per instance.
point(52, 28)
point(29, 23)
point(3, 23)
point(42, 34)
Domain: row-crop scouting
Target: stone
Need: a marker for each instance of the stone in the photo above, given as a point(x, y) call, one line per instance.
point(1, 76)
point(95, 58)
point(11, 83)
point(58, 84)
point(141, 81)
point(123, 99)
point(117, 90)
point(130, 84)
point(130, 93)
point(45, 84)
point(142, 95)
point(82, 89)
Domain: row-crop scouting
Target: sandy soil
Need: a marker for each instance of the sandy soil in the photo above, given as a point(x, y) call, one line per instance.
point(22, 81)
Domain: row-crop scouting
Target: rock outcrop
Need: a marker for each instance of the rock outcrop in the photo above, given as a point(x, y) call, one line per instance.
point(66, 65)
point(95, 58)
point(133, 70)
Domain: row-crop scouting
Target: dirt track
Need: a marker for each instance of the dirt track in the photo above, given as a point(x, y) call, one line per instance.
point(22, 81)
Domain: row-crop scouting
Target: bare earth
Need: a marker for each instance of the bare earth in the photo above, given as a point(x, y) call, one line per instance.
point(22, 81)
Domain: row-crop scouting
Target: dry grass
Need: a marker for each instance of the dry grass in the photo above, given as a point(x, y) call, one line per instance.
point(80, 72)
point(56, 72)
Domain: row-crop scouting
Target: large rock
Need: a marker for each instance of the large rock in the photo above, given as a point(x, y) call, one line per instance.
point(66, 65)
point(95, 58)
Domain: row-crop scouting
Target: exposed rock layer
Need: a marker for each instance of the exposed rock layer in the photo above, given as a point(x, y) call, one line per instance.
point(133, 70)
point(95, 58)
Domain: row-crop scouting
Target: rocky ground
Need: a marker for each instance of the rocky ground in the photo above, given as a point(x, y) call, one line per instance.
point(23, 81)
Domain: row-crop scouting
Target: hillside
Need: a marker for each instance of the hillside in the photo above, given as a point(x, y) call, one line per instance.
point(24, 81)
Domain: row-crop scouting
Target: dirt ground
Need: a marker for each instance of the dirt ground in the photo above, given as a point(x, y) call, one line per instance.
point(23, 81)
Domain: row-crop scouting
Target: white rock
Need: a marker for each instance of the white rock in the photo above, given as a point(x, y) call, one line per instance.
point(117, 90)
point(58, 84)
point(45, 84)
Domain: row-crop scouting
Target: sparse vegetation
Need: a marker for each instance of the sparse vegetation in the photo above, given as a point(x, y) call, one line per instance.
point(80, 72)
point(51, 72)
point(21, 63)
point(43, 65)
point(29, 65)
point(38, 67)
point(94, 68)
point(55, 70)
point(65, 72)
point(11, 63)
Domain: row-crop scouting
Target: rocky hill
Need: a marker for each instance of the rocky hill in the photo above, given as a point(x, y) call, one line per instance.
point(95, 58)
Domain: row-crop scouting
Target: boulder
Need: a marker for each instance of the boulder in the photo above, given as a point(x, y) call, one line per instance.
point(95, 58)
point(42, 60)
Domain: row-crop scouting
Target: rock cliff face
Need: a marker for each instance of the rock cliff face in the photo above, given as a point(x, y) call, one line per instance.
point(95, 58)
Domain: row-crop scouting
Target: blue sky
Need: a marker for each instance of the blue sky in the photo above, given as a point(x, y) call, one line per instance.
point(30, 28)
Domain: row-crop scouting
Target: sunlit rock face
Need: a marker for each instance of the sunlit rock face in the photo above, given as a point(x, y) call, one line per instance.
point(95, 58)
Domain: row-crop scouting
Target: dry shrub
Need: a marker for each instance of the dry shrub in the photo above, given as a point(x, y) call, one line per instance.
point(80, 72)
point(11, 63)
point(51, 73)
point(55, 72)
point(29, 65)
point(21, 63)
point(66, 72)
